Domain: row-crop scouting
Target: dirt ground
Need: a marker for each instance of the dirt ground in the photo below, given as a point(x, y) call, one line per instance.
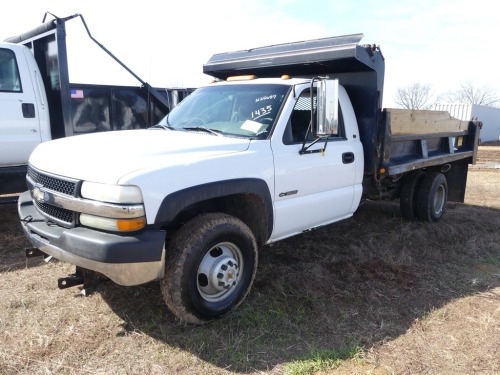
point(407, 297)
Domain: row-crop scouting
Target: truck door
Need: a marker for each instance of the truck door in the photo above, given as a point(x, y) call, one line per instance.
point(314, 189)
point(19, 121)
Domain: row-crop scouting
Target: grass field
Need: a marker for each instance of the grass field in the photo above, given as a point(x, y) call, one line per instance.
point(371, 295)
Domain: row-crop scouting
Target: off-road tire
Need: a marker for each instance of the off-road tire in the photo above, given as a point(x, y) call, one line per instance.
point(209, 247)
point(432, 197)
point(408, 195)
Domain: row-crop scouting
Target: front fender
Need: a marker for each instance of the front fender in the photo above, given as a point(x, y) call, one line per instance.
point(175, 203)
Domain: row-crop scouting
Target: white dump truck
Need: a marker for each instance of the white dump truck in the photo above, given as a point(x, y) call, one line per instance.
point(288, 138)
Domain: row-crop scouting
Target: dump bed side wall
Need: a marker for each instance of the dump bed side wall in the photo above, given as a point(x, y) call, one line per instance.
point(412, 139)
point(432, 140)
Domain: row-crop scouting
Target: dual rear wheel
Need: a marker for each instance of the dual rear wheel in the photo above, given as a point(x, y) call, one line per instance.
point(424, 196)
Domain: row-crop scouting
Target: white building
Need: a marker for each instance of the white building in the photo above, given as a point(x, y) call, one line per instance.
point(489, 116)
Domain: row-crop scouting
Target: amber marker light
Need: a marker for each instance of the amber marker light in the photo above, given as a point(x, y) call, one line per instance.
point(113, 225)
point(382, 170)
point(129, 225)
point(248, 77)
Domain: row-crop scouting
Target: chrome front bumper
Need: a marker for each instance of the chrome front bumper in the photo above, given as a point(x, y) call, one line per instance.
point(127, 260)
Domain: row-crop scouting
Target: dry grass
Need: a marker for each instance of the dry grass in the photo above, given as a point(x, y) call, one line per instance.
point(407, 298)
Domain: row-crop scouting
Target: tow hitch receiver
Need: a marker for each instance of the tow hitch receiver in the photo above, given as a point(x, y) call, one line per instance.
point(89, 279)
point(33, 252)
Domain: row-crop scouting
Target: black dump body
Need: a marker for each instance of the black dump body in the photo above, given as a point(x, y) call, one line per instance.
point(359, 68)
point(84, 108)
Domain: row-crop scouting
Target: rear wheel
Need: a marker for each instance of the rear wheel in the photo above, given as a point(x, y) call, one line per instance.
point(408, 195)
point(432, 197)
point(211, 264)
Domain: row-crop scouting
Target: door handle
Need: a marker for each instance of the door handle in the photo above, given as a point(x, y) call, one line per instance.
point(28, 110)
point(347, 157)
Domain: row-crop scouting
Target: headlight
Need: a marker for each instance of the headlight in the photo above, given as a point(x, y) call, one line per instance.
point(121, 210)
point(114, 225)
point(128, 194)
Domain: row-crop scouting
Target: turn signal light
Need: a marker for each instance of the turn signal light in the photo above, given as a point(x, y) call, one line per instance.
point(128, 225)
point(113, 225)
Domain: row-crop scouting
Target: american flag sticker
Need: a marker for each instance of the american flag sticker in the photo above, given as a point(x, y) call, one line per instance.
point(77, 94)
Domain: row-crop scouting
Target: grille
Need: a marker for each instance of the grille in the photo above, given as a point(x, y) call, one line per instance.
point(59, 215)
point(56, 212)
point(52, 183)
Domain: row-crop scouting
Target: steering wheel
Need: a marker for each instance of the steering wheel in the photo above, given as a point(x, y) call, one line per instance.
point(266, 120)
point(199, 120)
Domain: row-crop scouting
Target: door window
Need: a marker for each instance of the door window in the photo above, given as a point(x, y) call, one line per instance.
point(300, 120)
point(9, 73)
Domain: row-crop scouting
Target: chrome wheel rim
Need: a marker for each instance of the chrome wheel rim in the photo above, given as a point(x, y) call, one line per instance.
point(439, 200)
point(220, 272)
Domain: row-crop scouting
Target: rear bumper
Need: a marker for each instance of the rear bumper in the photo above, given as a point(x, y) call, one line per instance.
point(127, 260)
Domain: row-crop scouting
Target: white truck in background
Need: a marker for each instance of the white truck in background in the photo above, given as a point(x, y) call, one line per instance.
point(38, 102)
point(489, 116)
point(290, 138)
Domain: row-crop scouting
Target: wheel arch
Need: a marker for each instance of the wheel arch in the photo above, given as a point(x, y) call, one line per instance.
point(248, 199)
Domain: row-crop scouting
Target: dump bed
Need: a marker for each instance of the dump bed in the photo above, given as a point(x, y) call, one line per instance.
point(415, 139)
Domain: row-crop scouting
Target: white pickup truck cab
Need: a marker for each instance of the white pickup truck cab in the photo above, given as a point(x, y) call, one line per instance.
point(23, 105)
point(236, 165)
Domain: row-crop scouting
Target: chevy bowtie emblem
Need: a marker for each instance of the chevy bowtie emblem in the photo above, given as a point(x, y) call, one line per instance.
point(38, 194)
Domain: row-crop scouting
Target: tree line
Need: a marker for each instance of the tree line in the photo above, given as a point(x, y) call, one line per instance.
point(420, 96)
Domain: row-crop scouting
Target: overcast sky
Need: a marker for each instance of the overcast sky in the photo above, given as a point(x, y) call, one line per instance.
point(443, 43)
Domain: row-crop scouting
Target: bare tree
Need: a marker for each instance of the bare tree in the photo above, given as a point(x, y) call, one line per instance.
point(468, 93)
point(414, 96)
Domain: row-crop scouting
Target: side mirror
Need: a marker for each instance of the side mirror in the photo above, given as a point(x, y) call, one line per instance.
point(327, 115)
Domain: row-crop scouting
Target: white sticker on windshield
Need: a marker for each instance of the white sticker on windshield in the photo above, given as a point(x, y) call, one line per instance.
point(251, 126)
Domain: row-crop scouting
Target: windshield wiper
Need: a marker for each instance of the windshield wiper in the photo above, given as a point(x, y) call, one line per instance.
point(207, 130)
point(162, 126)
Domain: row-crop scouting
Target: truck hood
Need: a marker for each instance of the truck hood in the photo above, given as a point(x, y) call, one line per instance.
point(107, 157)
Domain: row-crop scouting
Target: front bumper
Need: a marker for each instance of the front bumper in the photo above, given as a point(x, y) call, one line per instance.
point(127, 260)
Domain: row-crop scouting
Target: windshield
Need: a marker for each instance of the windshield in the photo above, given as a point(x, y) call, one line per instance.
point(240, 110)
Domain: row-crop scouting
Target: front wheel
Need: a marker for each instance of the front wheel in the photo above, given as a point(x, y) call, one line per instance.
point(211, 265)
